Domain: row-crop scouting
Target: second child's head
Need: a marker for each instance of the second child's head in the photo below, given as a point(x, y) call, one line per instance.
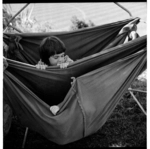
point(52, 50)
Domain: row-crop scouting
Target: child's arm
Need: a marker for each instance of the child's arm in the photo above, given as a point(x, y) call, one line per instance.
point(68, 59)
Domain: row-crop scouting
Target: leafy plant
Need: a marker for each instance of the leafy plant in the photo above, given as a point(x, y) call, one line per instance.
point(24, 21)
point(7, 15)
point(79, 24)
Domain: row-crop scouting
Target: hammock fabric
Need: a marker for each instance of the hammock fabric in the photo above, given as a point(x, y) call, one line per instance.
point(102, 77)
point(79, 44)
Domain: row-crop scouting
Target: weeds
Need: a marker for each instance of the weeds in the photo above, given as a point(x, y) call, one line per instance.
point(24, 22)
point(80, 24)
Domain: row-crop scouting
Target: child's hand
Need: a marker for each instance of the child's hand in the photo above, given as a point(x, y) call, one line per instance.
point(41, 65)
point(67, 59)
point(63, 65)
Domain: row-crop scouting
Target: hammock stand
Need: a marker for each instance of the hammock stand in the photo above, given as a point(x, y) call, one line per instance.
point(25, 136)
point(130, 90)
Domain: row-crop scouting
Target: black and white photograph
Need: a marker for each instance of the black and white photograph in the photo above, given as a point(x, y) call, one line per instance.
point(74, 75)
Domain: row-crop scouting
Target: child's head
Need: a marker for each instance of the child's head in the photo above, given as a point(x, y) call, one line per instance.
point(49, 47)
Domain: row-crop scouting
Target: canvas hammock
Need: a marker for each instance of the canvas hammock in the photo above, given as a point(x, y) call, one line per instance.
point(104, 69)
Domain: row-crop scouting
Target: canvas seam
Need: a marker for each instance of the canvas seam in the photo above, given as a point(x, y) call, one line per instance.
point(84, 117)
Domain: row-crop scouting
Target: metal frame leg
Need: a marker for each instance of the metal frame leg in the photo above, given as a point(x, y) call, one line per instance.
point(137, 102)
point(25, 136)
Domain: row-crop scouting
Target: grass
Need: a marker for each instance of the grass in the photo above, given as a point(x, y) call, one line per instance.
point(126, 127)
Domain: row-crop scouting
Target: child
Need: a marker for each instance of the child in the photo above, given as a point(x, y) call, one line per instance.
point(52, 53)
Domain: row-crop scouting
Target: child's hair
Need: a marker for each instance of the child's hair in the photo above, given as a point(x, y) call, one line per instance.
point(50, 46)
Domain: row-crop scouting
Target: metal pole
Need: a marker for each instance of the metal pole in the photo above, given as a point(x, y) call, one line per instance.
point(15, 28)
point(124, 8)
point(25, 136)
point(136, 90)
point(5, 30)
point(138, 103)
point(16, 15)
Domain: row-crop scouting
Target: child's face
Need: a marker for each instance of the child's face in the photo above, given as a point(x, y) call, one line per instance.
point(57, 58)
